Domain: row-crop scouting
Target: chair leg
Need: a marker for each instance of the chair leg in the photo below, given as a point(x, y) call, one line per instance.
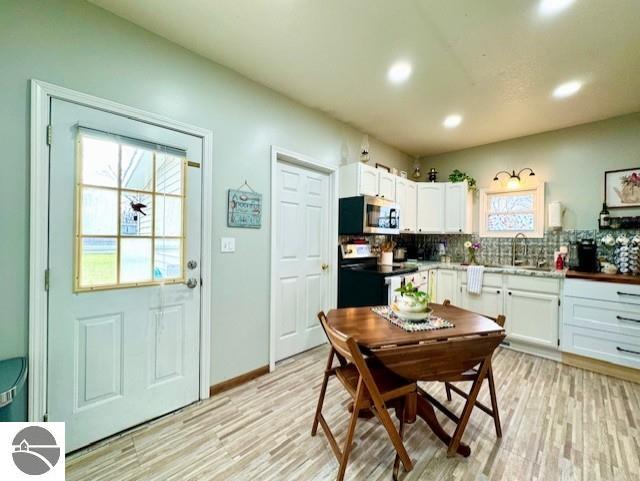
point(402, 415)
point(323, 390)
point(468, 407)
point(348, 443)
point(494, 402)
point(385, 419)
point(447, 387)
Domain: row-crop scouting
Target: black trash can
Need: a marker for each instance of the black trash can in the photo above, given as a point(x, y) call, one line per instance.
point(13, 392)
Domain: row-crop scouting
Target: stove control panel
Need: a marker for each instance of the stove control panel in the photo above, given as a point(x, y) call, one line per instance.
point(355, 251)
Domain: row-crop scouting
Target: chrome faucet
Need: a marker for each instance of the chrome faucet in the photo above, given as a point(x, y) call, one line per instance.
point(515, 261)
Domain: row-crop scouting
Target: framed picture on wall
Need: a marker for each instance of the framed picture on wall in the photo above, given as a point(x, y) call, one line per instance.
point(622, 188)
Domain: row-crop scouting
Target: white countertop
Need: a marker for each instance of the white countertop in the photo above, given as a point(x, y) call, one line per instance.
point(520, 271)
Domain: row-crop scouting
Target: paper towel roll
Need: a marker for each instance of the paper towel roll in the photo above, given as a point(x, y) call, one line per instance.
point(555, 215)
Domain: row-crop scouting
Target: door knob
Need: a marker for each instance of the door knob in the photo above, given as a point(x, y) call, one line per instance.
point(324, 266)
point(192, 283)
point(191, 265)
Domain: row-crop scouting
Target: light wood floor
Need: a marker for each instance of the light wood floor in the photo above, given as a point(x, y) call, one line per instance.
point(559, 423)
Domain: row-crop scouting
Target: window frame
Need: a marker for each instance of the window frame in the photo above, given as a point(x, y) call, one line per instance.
point(78, 236)
point(539, 211)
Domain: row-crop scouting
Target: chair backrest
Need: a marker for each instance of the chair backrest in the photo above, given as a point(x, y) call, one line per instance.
point(500, 320)
point(347, 348)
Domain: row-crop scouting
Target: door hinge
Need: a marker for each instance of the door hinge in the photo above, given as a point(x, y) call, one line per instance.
point(49, 134)
point(45, 417)
point(46, 279)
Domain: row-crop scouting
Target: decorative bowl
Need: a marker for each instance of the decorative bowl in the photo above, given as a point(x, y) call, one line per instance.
point(411, 316)
point(410, 304)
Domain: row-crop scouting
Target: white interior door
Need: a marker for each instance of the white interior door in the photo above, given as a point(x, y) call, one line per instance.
point(302, 258)
point(123, 334)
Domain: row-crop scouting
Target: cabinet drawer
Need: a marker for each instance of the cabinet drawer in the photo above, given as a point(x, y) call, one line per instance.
point(488, 279)
point(604, 291)
point(615, 348)
point(613, 317)
point(533, 284)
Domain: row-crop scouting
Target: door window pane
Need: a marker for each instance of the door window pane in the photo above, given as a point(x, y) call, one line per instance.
point(131, 210)
point(137, 168)
point(99, 212)
point(168, 259)
point(136, 214)
point(135, 260)
point(168, 216)
point(169, 174)
point(100, 161)
point(98, 261)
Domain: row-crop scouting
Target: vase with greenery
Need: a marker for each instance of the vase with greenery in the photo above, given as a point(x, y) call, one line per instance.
point(458, 176)
point(412, 299)
point(472, 250)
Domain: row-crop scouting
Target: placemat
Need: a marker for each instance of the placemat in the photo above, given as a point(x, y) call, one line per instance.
point(431, 324)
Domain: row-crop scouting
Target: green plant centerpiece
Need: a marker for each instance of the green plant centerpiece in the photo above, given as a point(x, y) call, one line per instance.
point(412, 304)
point(458, 176)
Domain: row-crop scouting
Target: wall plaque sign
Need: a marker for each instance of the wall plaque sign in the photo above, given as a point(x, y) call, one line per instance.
point(244, 208)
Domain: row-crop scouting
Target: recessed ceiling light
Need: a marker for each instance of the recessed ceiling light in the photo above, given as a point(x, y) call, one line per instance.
point(399, 72)
point(567, 89)
point(452, 121)
point(551, 7)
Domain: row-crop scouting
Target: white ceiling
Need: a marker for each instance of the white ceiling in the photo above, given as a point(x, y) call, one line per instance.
point(495, 62)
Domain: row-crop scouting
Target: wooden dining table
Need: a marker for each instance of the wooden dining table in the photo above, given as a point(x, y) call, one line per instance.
point(446, 354)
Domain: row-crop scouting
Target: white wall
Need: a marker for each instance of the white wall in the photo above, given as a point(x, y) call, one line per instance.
point(572, 161)
point(82, 47)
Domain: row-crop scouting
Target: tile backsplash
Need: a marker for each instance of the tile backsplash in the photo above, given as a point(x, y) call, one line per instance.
point(498, 251)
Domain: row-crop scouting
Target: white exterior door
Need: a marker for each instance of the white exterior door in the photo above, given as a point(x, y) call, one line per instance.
point(430, 207)
point(123, 333)
point(302, 258)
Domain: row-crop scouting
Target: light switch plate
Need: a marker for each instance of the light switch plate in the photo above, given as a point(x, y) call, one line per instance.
point(227, 244)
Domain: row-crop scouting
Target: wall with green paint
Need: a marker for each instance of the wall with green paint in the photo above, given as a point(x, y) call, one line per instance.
point(80, 46)
point(571, 161)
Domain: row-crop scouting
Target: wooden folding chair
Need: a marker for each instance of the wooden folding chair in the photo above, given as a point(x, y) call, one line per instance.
point(471, 375)
point(371, 386)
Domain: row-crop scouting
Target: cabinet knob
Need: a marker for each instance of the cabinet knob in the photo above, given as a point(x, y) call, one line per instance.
point(497, 292)
point(509, 293)
point(382, 196)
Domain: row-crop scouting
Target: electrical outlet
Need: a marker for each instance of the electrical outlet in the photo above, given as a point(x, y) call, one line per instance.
point(227, 244)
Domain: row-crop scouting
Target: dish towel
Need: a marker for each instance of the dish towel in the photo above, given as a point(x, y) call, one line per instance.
point(474, 279)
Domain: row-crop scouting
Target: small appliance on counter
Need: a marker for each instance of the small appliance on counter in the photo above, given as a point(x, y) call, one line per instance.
point(586, 256)
point(361, 280)
point(365, 214)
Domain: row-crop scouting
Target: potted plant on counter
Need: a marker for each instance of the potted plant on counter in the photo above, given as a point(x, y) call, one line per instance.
point(472, 250)
point(413, 304)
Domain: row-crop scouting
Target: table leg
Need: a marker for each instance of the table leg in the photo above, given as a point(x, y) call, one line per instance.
point(426, 412)
point(411, 408)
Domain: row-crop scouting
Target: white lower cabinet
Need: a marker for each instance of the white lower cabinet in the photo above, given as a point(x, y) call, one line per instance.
point(532, 317)
point(488, 303)
point(602, 320)
point(446, 286)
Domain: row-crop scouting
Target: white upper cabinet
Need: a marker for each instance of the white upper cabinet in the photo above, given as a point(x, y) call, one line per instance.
point(386, 185)
point(431, 213)
point(368, 180)
point(457, 208)
point(362, 179)
point(406, 198)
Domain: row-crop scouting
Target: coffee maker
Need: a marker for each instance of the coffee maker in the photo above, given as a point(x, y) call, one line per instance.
point(587, 256)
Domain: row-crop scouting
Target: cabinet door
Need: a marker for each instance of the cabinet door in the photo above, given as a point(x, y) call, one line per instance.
point(488, 303)
point(532, 317)
point(455, 207)
point(401, 200)
point(446, 286)
point(368, 180)
point(410, 207)
point(386, 185)
point(431, 207)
